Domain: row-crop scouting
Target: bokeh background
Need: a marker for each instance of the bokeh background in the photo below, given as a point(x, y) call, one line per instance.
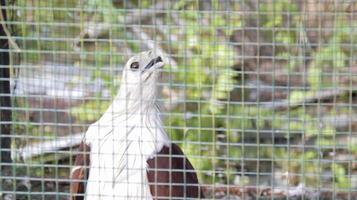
point(260, 94)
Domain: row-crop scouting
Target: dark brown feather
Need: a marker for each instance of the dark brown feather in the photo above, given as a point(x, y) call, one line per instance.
point(170, 174)
point(80, 173)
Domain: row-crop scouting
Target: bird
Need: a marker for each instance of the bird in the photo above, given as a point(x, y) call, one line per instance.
point(127, 154)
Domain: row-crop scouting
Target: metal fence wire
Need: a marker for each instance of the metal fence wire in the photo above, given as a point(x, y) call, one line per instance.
point(260, 95)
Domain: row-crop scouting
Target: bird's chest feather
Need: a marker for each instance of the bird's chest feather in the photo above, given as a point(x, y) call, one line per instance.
point(119, 155)
point(124, 151)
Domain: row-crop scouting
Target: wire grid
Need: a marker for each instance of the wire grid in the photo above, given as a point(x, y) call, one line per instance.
point(259, 94)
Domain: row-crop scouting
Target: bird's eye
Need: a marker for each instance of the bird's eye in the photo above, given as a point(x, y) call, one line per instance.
point(134, 65)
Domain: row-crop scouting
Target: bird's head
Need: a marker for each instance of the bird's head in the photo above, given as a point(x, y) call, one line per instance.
point(140, 76)
point(142, 68)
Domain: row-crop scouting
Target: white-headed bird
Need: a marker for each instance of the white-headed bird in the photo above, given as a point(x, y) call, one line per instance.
point(127, 154)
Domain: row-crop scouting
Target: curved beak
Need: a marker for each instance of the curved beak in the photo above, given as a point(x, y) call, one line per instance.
point(153, 62)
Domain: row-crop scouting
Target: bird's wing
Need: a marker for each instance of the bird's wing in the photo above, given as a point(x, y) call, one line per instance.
point(80, 172)
point(170, 174)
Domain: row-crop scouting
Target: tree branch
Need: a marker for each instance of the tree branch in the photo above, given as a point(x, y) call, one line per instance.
point(318, 96)
point(93, 30)
point(152, 44)
point(6, 30)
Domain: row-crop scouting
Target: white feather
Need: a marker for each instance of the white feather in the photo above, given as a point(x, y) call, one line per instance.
point(122, 140)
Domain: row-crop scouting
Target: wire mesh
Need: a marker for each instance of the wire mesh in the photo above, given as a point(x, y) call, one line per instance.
point(259, 94)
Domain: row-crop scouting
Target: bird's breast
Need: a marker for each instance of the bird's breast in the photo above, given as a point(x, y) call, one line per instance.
point(119, 155)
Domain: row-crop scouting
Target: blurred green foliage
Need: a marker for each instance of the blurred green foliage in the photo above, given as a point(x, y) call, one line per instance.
point(215, 130)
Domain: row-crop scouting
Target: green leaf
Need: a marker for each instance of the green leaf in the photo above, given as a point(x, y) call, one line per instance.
point(90, 111)
point(221, 90)
point(314, 77)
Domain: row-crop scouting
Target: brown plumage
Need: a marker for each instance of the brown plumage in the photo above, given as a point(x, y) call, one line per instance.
point(170, 174)
point(79, 174)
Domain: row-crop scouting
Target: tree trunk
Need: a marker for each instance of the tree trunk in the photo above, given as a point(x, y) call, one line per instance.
point(5, 101)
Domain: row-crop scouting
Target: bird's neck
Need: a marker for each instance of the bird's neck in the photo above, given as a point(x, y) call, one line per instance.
point(134, 100)
point(133, 108)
